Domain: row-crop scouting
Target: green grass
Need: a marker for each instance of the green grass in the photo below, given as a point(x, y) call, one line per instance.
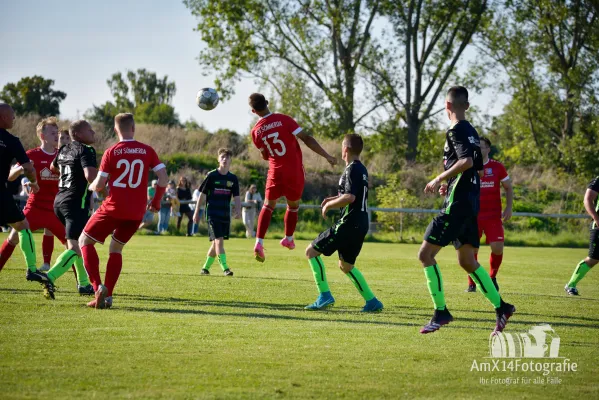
point(175, 334)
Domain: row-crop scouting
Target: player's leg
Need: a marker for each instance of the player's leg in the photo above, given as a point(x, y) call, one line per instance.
point(113, 270)
point(481, 228)
point(210, 257)
point(272, 194)
point(495, 261)
point(27, 245)
point(585, 265)
point(222, 234)
point(75, 221)
point(313, 252)
point(47, 249)
point(8, 247)
point(291, 216)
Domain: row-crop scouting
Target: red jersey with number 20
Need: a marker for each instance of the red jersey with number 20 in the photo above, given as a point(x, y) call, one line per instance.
point(490, 190)
point(46, 179)
point(127, 165)
point(275, 134)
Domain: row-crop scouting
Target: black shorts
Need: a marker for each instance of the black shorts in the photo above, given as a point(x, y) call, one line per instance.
point(594, 244)
point(457, 228)
point(73, 218)
point(9, 211)
point(218, 229)
point(346, 238)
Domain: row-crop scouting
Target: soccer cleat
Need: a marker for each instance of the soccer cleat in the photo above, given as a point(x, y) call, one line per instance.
point(45, 267)
point(204, 271)
point(36, 276)
point(471, 289)
point(290, 244)
point(324, 300)
point(504, 312)
point(259, 252)
point(100, 301)
point(85, 290)
point(108, 302)
point(373, 305)
point(228, 272)
point(495, 283)
point(49, 290)
point(440, 318)
point(572, 291)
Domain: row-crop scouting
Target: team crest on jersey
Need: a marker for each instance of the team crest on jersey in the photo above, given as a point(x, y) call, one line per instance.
point(229, 184)
point(46, 174)
point(489, 171)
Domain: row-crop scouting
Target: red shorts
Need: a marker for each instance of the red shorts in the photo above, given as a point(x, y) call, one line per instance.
point(493, 229)
point(102, 224)
point(45, 219)
point(291, 187)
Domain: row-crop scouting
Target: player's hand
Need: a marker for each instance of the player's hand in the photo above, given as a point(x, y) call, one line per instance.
point(443, 189)
point(33, 186)
point(238, 214)
point(332, 160)
point(431, 187)
point(151, 208)
point(507, 215)
point(325, 201)
point(324, 211)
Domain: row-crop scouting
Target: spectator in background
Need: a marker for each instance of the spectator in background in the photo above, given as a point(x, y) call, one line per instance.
point(184, 194)
point(171, 190)
point(165, 209)
point(192, 206)
point(149, 215)
point(249, 211)
point(63, 137)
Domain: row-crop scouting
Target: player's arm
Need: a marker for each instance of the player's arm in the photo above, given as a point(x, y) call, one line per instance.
point(509, 198)
point(204, 189)
point(15, 172)
point(313, 145)
point(99, 184)
point(22, 159)
point(154, 205)
point(589, 201)
point(236, 198)
point(465, 152)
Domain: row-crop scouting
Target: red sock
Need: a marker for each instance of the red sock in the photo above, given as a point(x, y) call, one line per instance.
point(495, 262)
point(264, 221)
point(92, 264)
point(113, 270)
point(290, 220)
point(470, 281)
point(47, 248)
point(5, 252)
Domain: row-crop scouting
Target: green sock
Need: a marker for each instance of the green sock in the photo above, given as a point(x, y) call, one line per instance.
point(320, 274)
point(82, 277)
point(222, 260)
point(485, 285)
point(208, 263)
point(581, 270)
point(62, 265)
point(434, 281)
point(27, 246)
point(360, 283)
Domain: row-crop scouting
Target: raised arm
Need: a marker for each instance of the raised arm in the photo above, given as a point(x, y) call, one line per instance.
point(313, 145)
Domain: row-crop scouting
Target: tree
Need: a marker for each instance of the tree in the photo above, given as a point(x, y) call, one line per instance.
point(317, 46)
point(141, 93)
point(549, 50)
point(33, 95)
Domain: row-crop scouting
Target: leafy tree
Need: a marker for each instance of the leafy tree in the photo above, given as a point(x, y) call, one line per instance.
point(33, 95)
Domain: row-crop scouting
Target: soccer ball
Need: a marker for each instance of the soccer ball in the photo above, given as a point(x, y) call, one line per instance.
point(207, 99)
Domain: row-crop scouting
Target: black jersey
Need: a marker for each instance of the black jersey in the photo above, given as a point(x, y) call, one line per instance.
point(219, 189)
point(355, 181)
point(463, 190)
point(594, 186)
point(10, 149)
point(73, 186)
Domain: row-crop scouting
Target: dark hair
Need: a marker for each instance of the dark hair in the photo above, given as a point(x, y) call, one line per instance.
point(457, 94)
point(258, 102)
point(225, 151)
point(354, 143)
point(486, 140)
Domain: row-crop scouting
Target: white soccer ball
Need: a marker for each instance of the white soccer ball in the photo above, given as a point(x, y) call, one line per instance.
point(207, 99)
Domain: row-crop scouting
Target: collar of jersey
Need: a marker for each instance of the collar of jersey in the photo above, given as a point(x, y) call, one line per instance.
point(50, 154)
point(128, 140)
point(266, 116)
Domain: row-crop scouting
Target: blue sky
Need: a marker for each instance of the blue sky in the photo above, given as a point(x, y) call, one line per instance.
point(80, 44)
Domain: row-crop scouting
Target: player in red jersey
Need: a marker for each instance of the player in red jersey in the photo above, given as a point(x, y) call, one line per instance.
point(39, 209)
point(125, 168)
point(490, 216)
point(275, 135)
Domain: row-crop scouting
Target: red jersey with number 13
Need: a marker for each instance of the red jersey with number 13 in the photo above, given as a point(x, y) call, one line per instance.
point(275, 134)
point(127, 165)
point(490, 190)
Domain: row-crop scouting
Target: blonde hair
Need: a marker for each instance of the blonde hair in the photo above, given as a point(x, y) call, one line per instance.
point(124, 121)
point(50, 121)
point(225, 151)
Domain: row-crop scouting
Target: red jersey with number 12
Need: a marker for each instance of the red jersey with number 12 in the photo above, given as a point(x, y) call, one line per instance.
point(275, 134)
point(490, 190)
point(127, 165)
point(46, 179)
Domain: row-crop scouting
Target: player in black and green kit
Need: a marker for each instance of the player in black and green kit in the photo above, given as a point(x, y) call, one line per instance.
point(217, 189)
point(77, 165)
point(591, 204)
point(12, 149)
point(457, 221)
point(347, 235)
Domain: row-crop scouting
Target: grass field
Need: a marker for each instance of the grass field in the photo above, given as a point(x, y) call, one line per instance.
point(175, 334)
